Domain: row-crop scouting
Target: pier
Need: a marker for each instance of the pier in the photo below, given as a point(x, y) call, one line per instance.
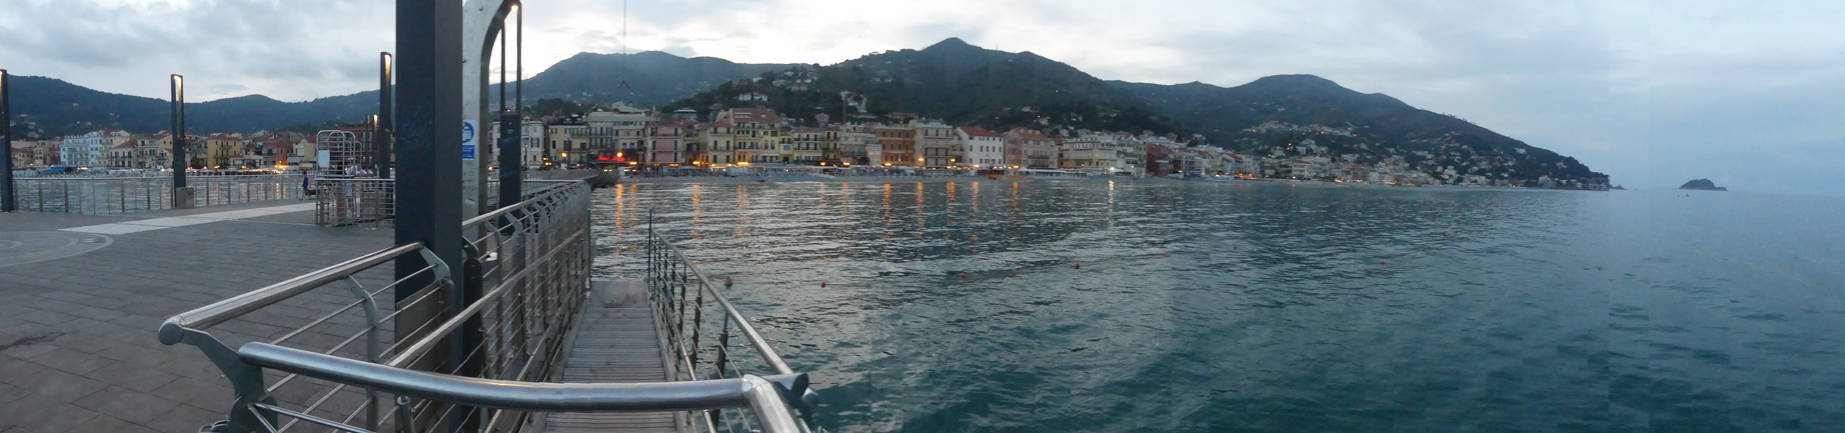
point(269, 322)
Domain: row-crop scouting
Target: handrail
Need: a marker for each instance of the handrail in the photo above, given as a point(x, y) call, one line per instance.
point(482, 218)
point(217, 312)
point(766, 398)
point(749, 331)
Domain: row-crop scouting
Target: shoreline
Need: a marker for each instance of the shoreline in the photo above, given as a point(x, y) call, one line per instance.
point(751, 180)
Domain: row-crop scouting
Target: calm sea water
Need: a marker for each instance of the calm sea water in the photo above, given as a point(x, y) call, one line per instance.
point(1205, 307)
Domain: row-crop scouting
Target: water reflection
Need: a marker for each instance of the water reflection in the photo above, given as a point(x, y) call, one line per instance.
point(1257, 307)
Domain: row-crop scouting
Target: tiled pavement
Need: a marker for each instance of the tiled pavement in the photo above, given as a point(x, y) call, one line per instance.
point(77, 333)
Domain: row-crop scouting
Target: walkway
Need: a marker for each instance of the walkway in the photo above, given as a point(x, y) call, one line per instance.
point(617, 341)
point(78, 308)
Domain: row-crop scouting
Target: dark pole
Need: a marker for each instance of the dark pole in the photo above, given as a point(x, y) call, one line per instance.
point(519, 62)
point(428, 138)
point(180, 162)
point(511, 153)
point(7, 201)
point(381, 138)
point(510, 190)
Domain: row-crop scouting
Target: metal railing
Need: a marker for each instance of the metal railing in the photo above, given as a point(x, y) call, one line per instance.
point(679, 292)
point(348, 201)
point(101, 195)
point(477, 366)
point(341, 201)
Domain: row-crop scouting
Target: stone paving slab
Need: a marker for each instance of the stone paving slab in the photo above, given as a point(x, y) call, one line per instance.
point(78, 351)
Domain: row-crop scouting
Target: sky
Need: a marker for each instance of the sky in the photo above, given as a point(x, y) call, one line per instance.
point(1749, 94)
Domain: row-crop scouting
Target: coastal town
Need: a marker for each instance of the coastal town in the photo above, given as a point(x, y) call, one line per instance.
point(744, 140)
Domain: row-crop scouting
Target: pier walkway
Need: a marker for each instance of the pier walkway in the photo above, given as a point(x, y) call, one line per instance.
point(78, 309)
point(266, 322)
point(616, 341)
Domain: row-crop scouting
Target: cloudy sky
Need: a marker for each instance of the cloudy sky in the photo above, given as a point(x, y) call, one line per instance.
point(1749, 94)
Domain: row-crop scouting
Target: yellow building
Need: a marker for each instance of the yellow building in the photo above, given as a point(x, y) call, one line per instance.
point(756, 129)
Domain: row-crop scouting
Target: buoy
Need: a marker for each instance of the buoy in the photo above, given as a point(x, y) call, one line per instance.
point(1380, 262)
point(1164, 254)
point(963, 275)
point(726, 282)
point(822, 284)
point(1079, 265)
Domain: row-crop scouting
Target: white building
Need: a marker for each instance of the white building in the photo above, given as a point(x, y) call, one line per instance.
point(980, 148)
point(531, 142)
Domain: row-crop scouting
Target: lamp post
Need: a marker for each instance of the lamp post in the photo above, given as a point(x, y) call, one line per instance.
point(7, 202)
point(381, 136)
point(182, 196)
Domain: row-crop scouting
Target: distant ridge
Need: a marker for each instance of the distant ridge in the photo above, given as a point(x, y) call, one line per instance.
point(1280, 115)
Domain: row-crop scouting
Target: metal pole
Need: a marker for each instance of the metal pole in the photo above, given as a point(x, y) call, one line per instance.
point(510, 190)
point(426, 143)
point(179, 131)
point(382, 137)
point(518, 63)
point(8, 201)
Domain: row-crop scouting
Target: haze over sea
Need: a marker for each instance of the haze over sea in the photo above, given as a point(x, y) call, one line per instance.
point(1208, 307)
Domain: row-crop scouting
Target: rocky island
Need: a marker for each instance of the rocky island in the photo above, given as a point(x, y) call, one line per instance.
point(1702, 185)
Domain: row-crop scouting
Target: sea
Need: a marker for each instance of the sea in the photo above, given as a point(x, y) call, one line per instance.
point(1170, 306)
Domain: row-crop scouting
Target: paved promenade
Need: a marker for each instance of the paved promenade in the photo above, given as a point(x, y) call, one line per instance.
point(82, 296)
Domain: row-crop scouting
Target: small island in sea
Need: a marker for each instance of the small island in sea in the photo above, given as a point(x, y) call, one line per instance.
point(1702, 185)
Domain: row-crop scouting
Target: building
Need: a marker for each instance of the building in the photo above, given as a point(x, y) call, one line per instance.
point(614, 136)
point(716, 144)
point(668, 141)
point(149, 154)
point(754, 132)
point(1089, 151)
point(567, 141)
point(855, 144)
point(90, 149)
point(936, 143)
point(808, 146)
point(896, 145)
point(220, 149)
point(531, 142)
point(120, 157)
point(981, 148)
point(1027, 148)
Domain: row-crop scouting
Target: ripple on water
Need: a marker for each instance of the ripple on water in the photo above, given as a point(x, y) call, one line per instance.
point(1249, 307)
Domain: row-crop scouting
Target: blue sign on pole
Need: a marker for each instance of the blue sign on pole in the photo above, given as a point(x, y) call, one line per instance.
point(467, 139)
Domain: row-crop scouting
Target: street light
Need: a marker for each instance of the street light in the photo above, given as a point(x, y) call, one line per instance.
point(381, 124)
point(179, 131)
point(6, 148)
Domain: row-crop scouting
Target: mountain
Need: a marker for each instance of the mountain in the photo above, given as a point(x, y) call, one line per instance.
point(952, 81)
point(652, 78)
point(1277, 114)
point(48, 107)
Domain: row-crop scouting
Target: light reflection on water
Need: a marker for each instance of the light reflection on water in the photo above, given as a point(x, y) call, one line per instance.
point(1262, 307)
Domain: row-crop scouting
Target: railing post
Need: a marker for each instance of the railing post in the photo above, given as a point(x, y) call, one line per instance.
point(469, 335)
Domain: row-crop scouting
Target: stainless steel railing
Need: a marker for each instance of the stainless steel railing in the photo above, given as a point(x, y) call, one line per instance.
point(478, 366)
point(349, 201)
point(679, 291)
point(101, 195)
point(308, 312)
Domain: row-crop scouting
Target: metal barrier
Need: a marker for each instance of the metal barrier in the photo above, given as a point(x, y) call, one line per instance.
point(677, 288)
point(480, 366)
point(101, 195)
point(348, 201)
